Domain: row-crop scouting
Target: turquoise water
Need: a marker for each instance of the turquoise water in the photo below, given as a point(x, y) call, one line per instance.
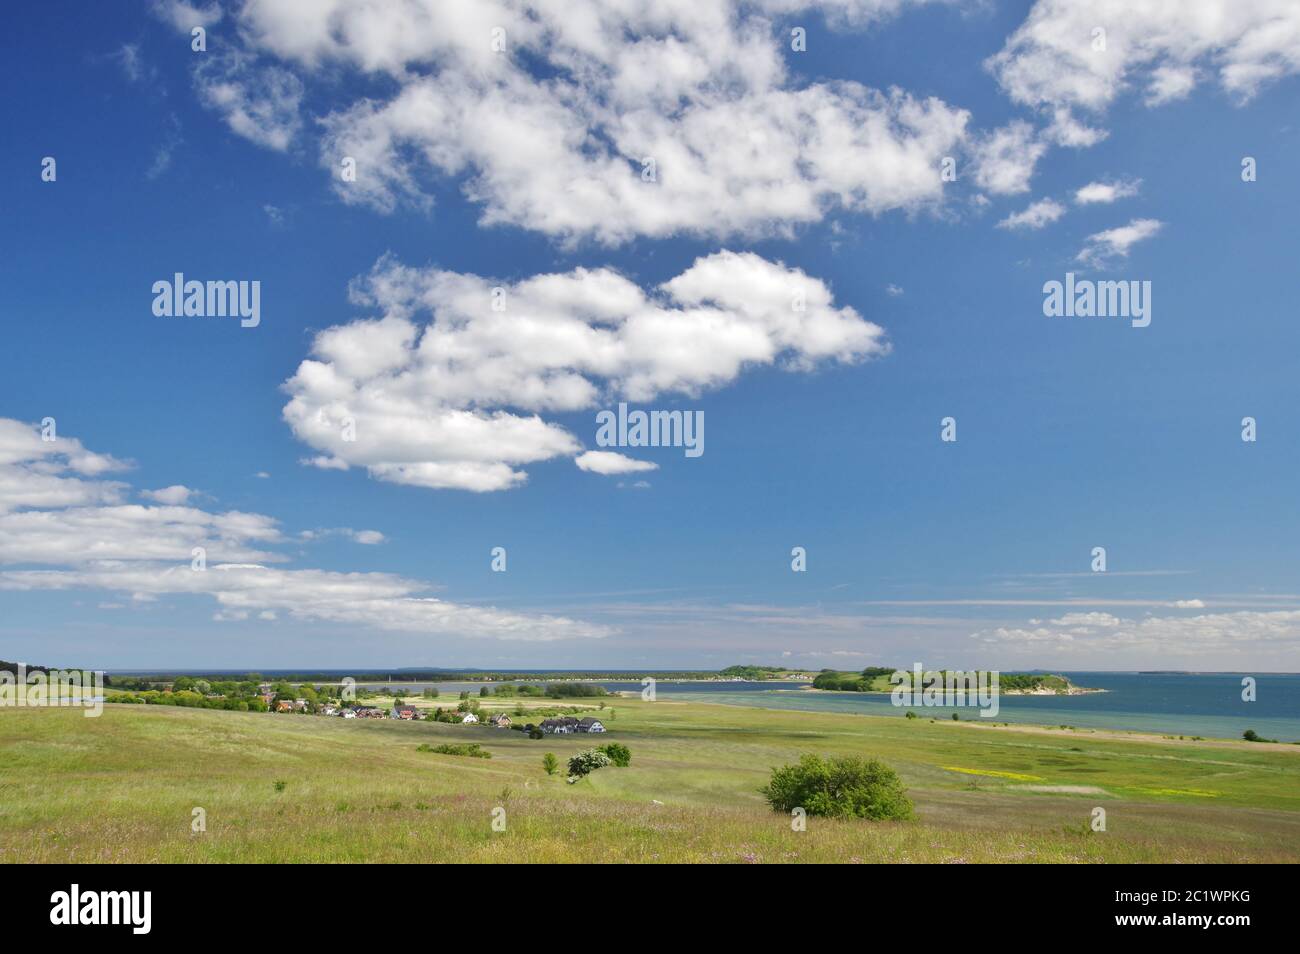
point(1204, 704)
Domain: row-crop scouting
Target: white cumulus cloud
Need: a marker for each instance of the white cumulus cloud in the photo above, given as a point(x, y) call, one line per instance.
point(1106, 192)
point(610, 462)
point(175, 495)
point(1158, 47)
point(443, 390)
point(598, 119)
point(1005, 158)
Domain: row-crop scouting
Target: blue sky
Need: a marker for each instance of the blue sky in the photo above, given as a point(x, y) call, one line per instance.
point(1072, 433)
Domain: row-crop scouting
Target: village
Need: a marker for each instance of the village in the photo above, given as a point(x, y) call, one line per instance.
point(466, 712)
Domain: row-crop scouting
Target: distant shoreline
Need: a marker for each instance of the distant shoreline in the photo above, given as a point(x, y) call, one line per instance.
point(1098, 731)
point(506, 682)
point(1072, 691)
point(473, 675)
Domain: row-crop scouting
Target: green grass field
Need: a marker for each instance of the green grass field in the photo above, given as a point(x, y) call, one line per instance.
point(123, 787)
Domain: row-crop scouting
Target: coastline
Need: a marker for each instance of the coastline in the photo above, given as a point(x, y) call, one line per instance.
point(1071, 691)
point(1099, 732)
point(1166, 708)
point(542, 681)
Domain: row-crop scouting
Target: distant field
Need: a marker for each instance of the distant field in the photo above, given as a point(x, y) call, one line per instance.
point(487, 704)
point(123, 787)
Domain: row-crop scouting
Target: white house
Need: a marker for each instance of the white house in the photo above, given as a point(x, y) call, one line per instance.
point(469, 718)
point(590, 725)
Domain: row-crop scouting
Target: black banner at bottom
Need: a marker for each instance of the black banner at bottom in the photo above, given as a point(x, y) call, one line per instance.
point(142, 902)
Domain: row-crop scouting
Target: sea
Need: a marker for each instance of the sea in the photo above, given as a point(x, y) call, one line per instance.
point(1209, 705)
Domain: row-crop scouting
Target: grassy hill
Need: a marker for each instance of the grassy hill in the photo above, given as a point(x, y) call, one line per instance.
point(297, 788)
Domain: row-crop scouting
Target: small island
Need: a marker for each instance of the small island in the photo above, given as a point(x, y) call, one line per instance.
point(877, 679)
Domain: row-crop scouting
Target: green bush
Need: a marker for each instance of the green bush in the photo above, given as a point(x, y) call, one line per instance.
point(619, 754)
point(839, 788)
point(550, 763)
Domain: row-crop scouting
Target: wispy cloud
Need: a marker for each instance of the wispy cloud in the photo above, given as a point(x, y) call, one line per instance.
point(1041, 213)
point(1102, 248)
point(59, 514)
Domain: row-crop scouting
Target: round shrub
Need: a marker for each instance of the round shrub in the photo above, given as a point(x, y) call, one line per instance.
point(618, 753)
point(839, 788)
point(584, 763)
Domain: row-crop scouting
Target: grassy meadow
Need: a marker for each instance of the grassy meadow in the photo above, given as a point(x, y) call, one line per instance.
point(278, 788)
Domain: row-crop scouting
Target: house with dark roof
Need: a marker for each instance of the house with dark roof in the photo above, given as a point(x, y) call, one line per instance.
point(564, 725)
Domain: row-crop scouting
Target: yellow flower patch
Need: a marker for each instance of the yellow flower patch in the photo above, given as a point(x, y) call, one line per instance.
point(1014, 776)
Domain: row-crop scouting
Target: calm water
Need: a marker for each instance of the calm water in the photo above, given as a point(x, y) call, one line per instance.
point(1208, 705)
